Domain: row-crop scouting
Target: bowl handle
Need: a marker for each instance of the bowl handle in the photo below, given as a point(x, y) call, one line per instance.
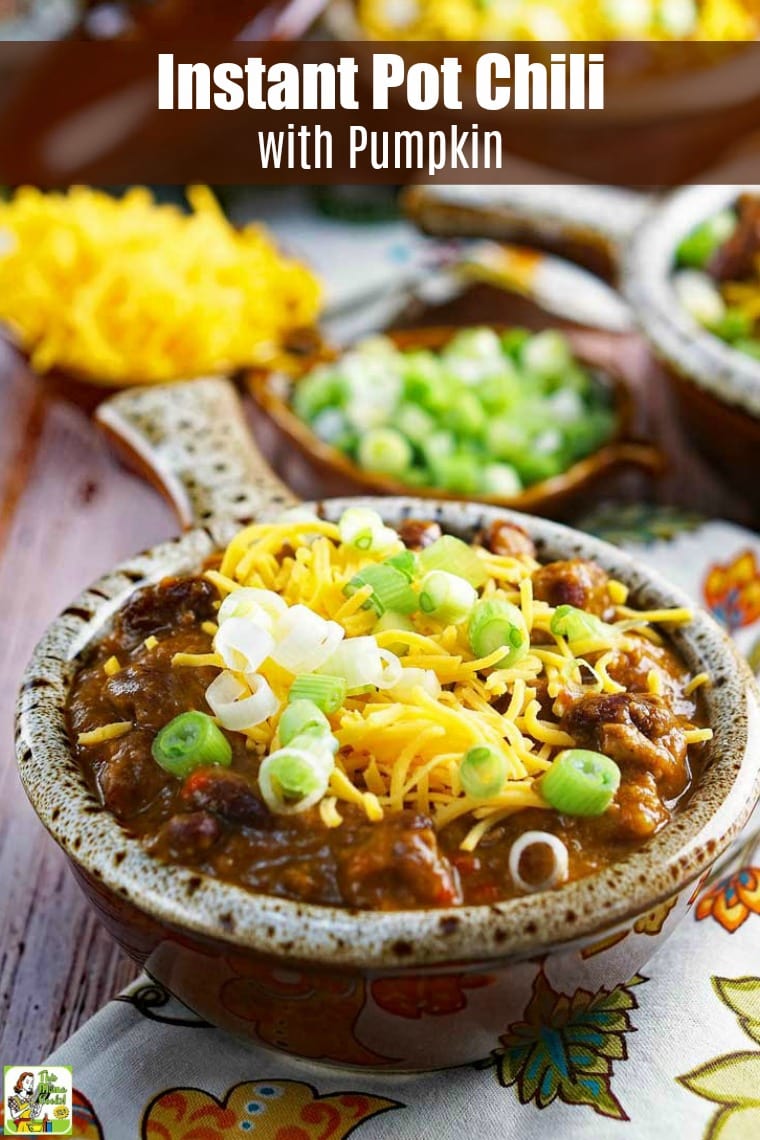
point(191, 441)
point(568, 218)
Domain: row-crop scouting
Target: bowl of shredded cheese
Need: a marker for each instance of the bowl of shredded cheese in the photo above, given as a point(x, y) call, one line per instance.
point(558, 20)
point(122, 290)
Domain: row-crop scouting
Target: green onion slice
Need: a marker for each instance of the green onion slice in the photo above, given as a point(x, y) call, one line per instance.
point(577, 625)
point(390, 589)
point(406, 562)
point(326, 692)
point(451, 554)
point(446, 597)
point(365, 530)
point(301, 716)
point(190, 741)
point(295, 778)
point(580, 782)
point(483, 771)
point(493, 623)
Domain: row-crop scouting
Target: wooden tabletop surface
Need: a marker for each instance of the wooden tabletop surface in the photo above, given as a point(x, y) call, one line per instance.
point(68, 512)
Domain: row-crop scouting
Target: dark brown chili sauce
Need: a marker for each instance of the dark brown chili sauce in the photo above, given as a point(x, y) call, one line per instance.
point(215, 820)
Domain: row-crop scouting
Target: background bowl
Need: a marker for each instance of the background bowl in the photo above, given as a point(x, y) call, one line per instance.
point(334, 984)
point(330, 471)
point(716, 386)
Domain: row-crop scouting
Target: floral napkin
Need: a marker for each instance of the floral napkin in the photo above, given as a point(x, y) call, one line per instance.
point(675, 1052)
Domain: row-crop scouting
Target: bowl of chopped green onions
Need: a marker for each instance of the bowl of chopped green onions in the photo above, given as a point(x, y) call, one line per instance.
point(499, 415)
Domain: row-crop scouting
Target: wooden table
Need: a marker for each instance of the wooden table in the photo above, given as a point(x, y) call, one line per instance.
point(68, 512)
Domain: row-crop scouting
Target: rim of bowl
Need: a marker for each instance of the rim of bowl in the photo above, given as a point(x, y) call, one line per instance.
point(647, 281)
point(181, 898)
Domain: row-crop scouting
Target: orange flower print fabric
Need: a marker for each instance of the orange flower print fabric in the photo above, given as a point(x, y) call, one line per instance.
point(268, 1110)
point(732, 900)
point(732, 591)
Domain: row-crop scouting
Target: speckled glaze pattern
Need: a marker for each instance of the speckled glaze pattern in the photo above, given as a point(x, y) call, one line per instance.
point(647, 279)
point(218, 947)
point(196, 447)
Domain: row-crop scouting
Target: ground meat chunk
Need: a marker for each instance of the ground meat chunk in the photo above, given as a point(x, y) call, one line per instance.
point(419, 533)
point(637, 730)
point(576, 582)
point(227, 794)
point(171, 603)
point(397, 865)
point(735, 259)
point(188, 837)
point(640, 810)
point(508, 539)
point(127, 776)
point(152, 696)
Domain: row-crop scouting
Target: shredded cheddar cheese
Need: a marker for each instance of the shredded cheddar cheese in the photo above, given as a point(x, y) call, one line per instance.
point(125, 290)
point(405, 752)
point(105, 733)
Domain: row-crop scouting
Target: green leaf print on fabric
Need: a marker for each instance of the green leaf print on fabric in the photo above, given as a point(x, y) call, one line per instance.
point(566, 1045)
point(733, 1080)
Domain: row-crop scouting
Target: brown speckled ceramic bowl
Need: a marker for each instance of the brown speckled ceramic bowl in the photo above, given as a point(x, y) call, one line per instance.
point(331, 469)
point(406, 990)
point(716, 386)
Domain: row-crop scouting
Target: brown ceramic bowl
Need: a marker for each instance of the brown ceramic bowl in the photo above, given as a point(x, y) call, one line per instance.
point(409, 990)
point(330, 471)
point(716, 386)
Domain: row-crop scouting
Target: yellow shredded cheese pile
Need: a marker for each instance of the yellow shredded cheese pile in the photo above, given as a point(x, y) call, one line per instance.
point(558, 20)
point(120, 291)
point(396, 753)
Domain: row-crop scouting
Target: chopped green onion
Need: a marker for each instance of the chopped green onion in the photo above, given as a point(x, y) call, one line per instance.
point(734, 325)
point(483, 771)
point(495, 623)
point(500, 479)
point(365, 530)
point(304, 640)
point(393, 621)
point(696, 249)
point(547, 354)
point(301, 716)
point(406, 562)
point(360, 661)
point(190, 741)
point(699, 296)
point(384, 450)
point(451, 554)
point(512, 341)
point(327, 693)
point(748, 345)
point(390, 589)
point(580, 782)
point(295, 777)
point(238, 707)
point(446, 597)
point(415, 423)
point(577, 625)
point(265, 607)
point(560, 862)
point(459, 472)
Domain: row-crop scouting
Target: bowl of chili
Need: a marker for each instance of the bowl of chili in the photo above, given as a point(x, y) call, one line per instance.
point(357, 943)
